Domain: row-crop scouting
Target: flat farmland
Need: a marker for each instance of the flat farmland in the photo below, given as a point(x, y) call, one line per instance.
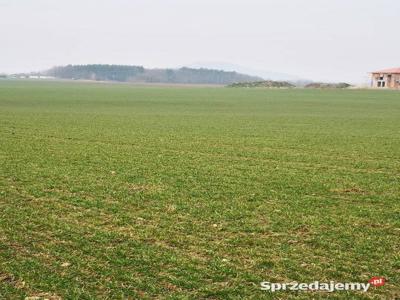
point(113, 191)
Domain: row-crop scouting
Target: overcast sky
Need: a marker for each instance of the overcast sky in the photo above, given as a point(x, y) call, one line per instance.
point(317, 39)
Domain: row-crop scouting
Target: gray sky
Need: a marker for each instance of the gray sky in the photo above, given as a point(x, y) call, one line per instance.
point(317, 39)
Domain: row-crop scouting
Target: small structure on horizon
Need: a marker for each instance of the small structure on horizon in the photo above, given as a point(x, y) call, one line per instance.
point(388, 78)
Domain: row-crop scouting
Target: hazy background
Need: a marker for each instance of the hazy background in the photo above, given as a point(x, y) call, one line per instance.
point(317, 39)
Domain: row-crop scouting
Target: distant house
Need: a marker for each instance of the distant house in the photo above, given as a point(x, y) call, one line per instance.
point(388, 78)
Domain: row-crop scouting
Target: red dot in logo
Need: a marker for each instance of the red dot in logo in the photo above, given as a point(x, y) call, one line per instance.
point(377, 281)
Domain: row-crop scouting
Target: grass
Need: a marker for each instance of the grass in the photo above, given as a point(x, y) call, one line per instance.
point(123, 192)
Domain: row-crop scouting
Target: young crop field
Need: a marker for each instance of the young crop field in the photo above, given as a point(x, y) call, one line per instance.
point(115, 191)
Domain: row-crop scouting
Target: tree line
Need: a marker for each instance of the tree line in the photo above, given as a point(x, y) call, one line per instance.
point(123, 73)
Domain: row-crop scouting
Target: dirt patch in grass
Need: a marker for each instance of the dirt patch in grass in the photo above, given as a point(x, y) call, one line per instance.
point(43, 296)
point(11, 280)
point(143, 188)
point(351, 190)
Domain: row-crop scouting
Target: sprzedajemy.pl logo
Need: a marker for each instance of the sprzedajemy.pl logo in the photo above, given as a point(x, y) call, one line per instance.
point(331, 286)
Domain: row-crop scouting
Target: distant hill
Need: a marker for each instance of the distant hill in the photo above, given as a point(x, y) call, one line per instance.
point(323, 85)
point(124, 73)
point(264, 84)
point(267, 75)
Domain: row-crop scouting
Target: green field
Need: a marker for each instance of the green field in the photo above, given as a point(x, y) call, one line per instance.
point(113, 191)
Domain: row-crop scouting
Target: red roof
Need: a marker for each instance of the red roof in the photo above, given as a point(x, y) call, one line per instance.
point(386, 71)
